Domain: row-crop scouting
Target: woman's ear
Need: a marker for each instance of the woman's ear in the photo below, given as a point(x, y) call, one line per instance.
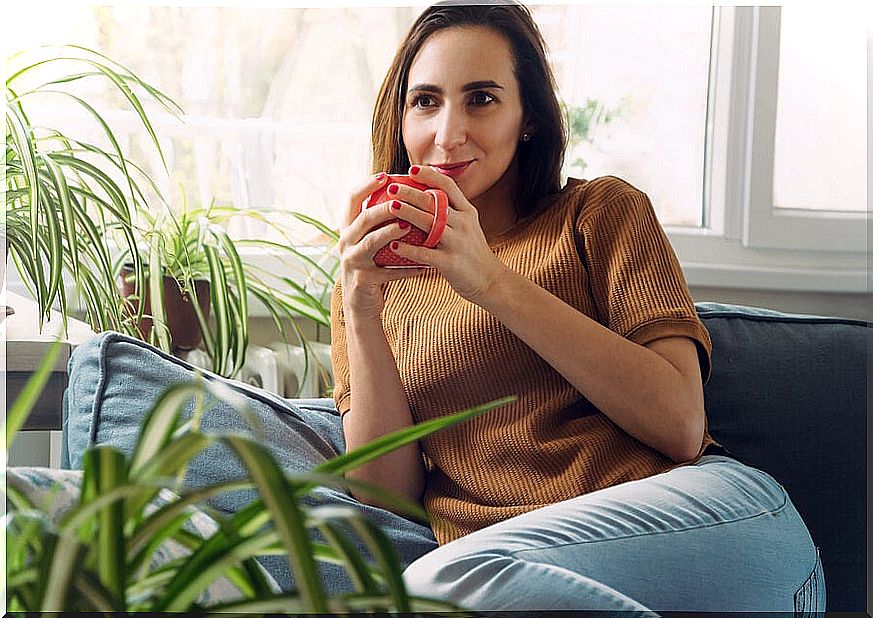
point(529, 126)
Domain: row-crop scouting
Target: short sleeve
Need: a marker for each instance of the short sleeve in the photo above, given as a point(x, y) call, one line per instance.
point(338, 352)
point(636, 280)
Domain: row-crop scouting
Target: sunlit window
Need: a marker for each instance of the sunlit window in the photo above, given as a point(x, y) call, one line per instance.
point(278, 100)
point(821, 121)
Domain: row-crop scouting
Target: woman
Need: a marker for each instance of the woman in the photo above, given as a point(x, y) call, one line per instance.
point(600, 487)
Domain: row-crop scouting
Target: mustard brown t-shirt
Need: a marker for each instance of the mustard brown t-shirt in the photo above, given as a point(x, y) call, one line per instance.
point(600, 248)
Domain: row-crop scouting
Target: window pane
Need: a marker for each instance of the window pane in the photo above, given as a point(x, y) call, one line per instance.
point(270, 123)
point(643, 71)
point(821, 124)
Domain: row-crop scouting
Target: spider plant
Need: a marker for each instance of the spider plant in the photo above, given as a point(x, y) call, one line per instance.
point(192, 244)
point(66, 197)
point(100, 555)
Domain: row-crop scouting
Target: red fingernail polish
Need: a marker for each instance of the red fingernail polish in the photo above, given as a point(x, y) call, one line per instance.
point(403, 225)
point(392, 189)
point(395, 245)
point(395, 205)
point(380, 176)
point(414, 170)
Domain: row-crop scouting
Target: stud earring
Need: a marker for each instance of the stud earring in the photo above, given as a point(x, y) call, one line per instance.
point(525, 137)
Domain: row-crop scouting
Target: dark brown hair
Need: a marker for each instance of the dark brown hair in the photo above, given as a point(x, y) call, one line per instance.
point(540, 159)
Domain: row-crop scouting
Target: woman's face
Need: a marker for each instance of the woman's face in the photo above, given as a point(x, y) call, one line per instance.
point(463, 105)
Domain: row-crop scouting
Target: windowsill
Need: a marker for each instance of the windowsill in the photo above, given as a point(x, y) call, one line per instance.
point(707, 261)
point(716, 261)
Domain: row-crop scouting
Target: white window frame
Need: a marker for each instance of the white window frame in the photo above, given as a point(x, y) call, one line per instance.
point(745, 242)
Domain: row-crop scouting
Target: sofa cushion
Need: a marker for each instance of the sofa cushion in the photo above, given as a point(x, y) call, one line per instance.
point(115, 380)
point(788, 395)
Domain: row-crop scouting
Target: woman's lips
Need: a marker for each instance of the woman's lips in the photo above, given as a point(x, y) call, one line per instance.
point(455, 170)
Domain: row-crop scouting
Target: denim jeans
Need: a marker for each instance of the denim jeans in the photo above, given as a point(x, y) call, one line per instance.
point(714, 536)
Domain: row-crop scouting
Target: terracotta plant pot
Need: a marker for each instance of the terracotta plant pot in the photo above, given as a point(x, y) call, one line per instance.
point(182, 322)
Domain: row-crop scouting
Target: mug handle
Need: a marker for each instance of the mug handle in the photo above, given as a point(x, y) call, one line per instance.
point(441, 212)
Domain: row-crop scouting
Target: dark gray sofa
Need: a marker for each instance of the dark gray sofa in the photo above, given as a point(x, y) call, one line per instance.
point(788, 394)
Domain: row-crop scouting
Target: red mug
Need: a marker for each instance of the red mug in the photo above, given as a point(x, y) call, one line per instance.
point(415, 236)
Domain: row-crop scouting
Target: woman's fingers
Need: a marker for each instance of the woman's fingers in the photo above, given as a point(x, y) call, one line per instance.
point(356, 200)
point(421, 219)
point(360, 255)
point(434, 179)
point(419, 207)
point(414, 197)
point(371, 217)
point(375, 240)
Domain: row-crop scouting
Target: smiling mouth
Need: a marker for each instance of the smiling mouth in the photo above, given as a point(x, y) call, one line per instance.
point(452, 166)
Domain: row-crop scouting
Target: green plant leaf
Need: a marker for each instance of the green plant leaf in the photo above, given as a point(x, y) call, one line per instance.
point(107, 131)
point(305, 481)
point(380, 546)
point(387, 443)
point(113, 76)
point(60, 559)
point(22, 142)
point(94, 593)
point(221, 310)
point(108, 468)
point(280, 604)
point(357, 569)
point(287, 517)
point(167, 519)
point(67, 222)
point(156, 295)
point(21, 407)
point(161, 422)
point(332, 234)
point(194, 577)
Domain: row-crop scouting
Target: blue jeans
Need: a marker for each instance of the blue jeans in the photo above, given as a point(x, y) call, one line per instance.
point(714, 536)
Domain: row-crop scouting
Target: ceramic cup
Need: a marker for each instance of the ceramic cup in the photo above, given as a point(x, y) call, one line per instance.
point(416, 236)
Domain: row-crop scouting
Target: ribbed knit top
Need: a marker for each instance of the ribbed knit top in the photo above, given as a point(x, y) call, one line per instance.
point(600, 248)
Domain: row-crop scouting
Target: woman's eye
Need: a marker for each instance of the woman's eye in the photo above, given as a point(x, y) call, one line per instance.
point(482, 98)
point(426, 99)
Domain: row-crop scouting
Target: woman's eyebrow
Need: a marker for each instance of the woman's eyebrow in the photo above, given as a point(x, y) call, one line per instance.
point(485, 83)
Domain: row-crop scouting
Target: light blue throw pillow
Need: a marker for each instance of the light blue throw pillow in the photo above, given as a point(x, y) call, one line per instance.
point(114, 380)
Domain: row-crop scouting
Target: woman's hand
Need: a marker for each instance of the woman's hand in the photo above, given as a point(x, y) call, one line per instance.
point(362, 280)
point(462, 255)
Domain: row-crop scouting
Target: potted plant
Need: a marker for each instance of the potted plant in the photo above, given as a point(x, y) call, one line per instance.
point(128, 537)
point(195, 268)
point(65, 197)
point(77, 212)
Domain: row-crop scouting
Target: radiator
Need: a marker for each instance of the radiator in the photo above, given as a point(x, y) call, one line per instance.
point(295, 379)
point(280, 368)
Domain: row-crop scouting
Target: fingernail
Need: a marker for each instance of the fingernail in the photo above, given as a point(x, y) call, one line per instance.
point(403, 225)
point(392, 189)
point(414, 170)
point(395, 245)
point(395, 205)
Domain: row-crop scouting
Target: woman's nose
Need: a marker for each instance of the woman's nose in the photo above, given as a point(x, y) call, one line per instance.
point(451, 130)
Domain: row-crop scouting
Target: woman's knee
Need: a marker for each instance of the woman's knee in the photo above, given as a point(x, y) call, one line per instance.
point(479, 577)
